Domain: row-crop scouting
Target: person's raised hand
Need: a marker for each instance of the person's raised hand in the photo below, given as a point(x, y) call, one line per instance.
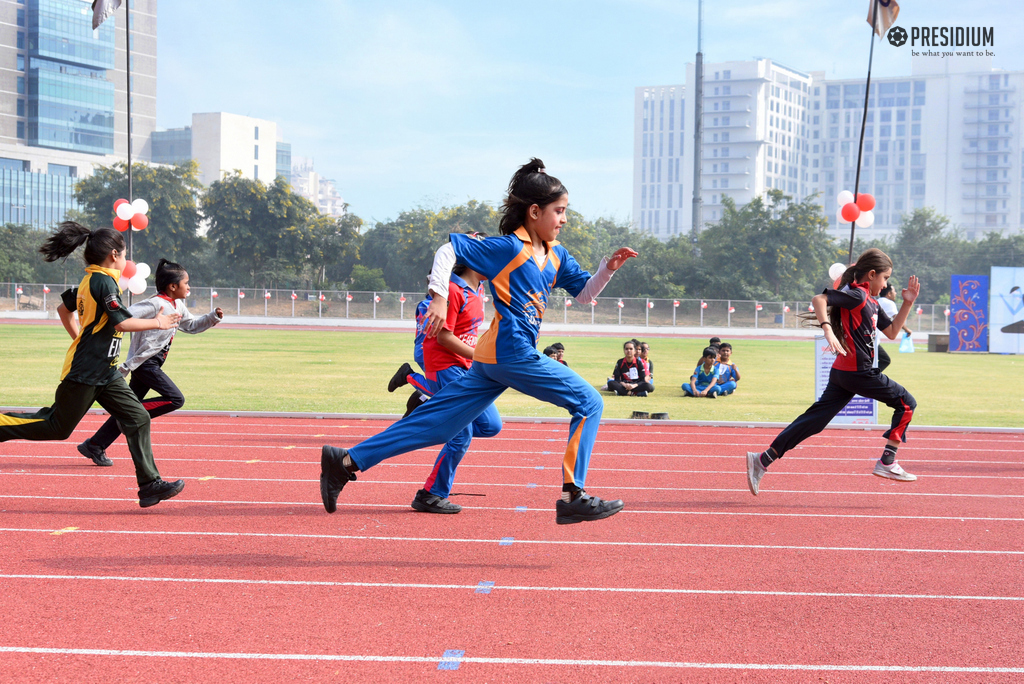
point(912, 289)
point(166, 322)
point(620, 257)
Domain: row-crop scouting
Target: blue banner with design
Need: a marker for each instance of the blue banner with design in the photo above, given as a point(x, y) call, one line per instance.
point(968, 313)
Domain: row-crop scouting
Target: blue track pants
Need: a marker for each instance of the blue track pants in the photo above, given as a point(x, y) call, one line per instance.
point(457, 405)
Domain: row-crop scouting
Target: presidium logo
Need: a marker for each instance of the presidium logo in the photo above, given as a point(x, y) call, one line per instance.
point(944, 36)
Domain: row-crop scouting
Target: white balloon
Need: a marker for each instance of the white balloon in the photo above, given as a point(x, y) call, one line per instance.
point(136, 285)
point(142, 271)
point(125, 211)
point(845, 197)
point(141, 206)
point(866, 219)
point(839, 216)
point(836, 270)
point(123, 283)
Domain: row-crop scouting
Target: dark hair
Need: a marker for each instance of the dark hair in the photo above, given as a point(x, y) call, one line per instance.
point(168, 273)
point(872, 259)
point(724, 345)
point(530, 185)
point(710, 351)
point(558, 346)
point(460, 269)
point(632, 342)
point(549, 351)
point(714, 341)
point(69, 236)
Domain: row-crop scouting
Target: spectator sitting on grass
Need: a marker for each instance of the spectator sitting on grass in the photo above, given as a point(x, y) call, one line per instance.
point(645, 350)
point(715, 343)
point(704, 381)
point(629, 374)
point(559, 353)
point(550, 352)
point(728, 374)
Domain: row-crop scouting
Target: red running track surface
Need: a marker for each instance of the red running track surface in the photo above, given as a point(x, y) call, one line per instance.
point(830, 574)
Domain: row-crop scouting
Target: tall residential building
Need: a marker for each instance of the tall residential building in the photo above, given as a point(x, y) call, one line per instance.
point(223, 143)
point(943, 137)
point(63, 102)
point(319, 190)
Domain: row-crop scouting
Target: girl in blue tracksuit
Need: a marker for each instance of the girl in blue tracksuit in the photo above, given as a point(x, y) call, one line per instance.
point(523, 265)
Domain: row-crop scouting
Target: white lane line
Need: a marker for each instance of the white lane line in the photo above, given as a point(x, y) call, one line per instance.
point(433, 452)
point(823, 667)
point(543, 542)
point(500, 587)
point(889, 492)
point(628, 511)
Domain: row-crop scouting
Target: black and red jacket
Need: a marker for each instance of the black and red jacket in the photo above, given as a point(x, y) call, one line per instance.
point(861, 316)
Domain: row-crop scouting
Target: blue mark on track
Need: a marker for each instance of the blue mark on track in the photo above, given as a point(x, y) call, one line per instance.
point(506, 541)
point(483, 588)
point(520, 509)
point(451, 659)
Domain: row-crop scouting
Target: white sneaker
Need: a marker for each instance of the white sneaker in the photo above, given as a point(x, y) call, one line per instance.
point(755, 471)
point(893, 472)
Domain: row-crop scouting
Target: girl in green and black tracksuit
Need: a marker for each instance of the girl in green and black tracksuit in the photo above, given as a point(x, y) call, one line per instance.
point(90, 367)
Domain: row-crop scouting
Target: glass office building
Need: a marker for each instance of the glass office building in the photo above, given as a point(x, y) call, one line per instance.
point(70, 99)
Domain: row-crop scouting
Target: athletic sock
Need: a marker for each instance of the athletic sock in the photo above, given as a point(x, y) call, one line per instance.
point(768, 456)
point(349, 464)
point(570, 493)
point(889, 455)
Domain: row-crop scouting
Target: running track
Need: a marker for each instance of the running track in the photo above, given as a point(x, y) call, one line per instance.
point(830, 575)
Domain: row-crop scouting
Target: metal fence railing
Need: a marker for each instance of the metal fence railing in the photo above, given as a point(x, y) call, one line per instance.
point(627, 311)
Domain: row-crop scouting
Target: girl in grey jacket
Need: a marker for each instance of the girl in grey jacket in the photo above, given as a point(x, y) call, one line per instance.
point(147, 353)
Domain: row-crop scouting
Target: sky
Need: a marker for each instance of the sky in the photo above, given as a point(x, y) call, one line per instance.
point(431, 103)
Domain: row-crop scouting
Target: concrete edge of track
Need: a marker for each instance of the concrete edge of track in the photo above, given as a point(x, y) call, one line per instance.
point(547, 419)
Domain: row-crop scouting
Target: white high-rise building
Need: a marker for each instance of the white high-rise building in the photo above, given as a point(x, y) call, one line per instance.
point(944, 137)
point(319, 190)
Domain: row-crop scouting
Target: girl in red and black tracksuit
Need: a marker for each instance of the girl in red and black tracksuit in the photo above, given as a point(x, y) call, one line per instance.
point(849, 317)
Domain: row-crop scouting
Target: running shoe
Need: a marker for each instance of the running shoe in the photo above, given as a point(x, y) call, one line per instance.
point(400, 377)
point(585, 508)
point(94, 454)
point(152, 493)
point(755, 471)
point(333, 475)
point(425, 502)
point(415, 400)
point(893, 472)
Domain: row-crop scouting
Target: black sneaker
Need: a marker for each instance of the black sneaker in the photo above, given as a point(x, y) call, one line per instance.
point(333, 476)
point(584, 508)
point(400, 377)
point(152, 493)
point(425, 502)
point(415, 400)
point(94, 454)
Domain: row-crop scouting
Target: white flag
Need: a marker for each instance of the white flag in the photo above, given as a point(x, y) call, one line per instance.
point(888, 10)
point(101, 9)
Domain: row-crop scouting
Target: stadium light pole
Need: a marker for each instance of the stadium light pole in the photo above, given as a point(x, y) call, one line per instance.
point(698, 122)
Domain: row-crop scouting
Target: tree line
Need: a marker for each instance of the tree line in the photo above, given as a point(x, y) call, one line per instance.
point(243, 232)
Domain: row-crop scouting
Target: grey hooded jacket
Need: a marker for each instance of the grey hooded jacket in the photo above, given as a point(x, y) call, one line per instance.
point(147, 343)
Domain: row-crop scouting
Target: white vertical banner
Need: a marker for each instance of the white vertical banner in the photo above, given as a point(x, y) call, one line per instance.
point(860, 410)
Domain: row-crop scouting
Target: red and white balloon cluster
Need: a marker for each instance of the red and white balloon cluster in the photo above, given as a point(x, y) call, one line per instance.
point(131, 214)
point(859, 212)
point(133, 277)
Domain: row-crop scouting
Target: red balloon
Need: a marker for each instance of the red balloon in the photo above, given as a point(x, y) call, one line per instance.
point(120, 224)
point(850, 212)
point(118, 203)
point(140, 221)
point(865, 202)
point(129, 269)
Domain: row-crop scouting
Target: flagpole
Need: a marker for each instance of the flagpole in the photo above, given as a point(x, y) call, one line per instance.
point(698, 125)
point(128, 70)
point(863, 121)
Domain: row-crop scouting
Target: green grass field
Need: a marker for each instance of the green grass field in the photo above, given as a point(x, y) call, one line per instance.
point(347, 372)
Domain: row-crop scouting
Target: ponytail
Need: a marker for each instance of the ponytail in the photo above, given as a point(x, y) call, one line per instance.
point(70, 236)
point(872, 259)
point(168, 273)
point(529, 185)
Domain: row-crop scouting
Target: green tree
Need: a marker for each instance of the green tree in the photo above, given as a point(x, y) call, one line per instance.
point(264, 233)
point(334, 248)
point(171, 192)
point(367, 279)
point(771, 248)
